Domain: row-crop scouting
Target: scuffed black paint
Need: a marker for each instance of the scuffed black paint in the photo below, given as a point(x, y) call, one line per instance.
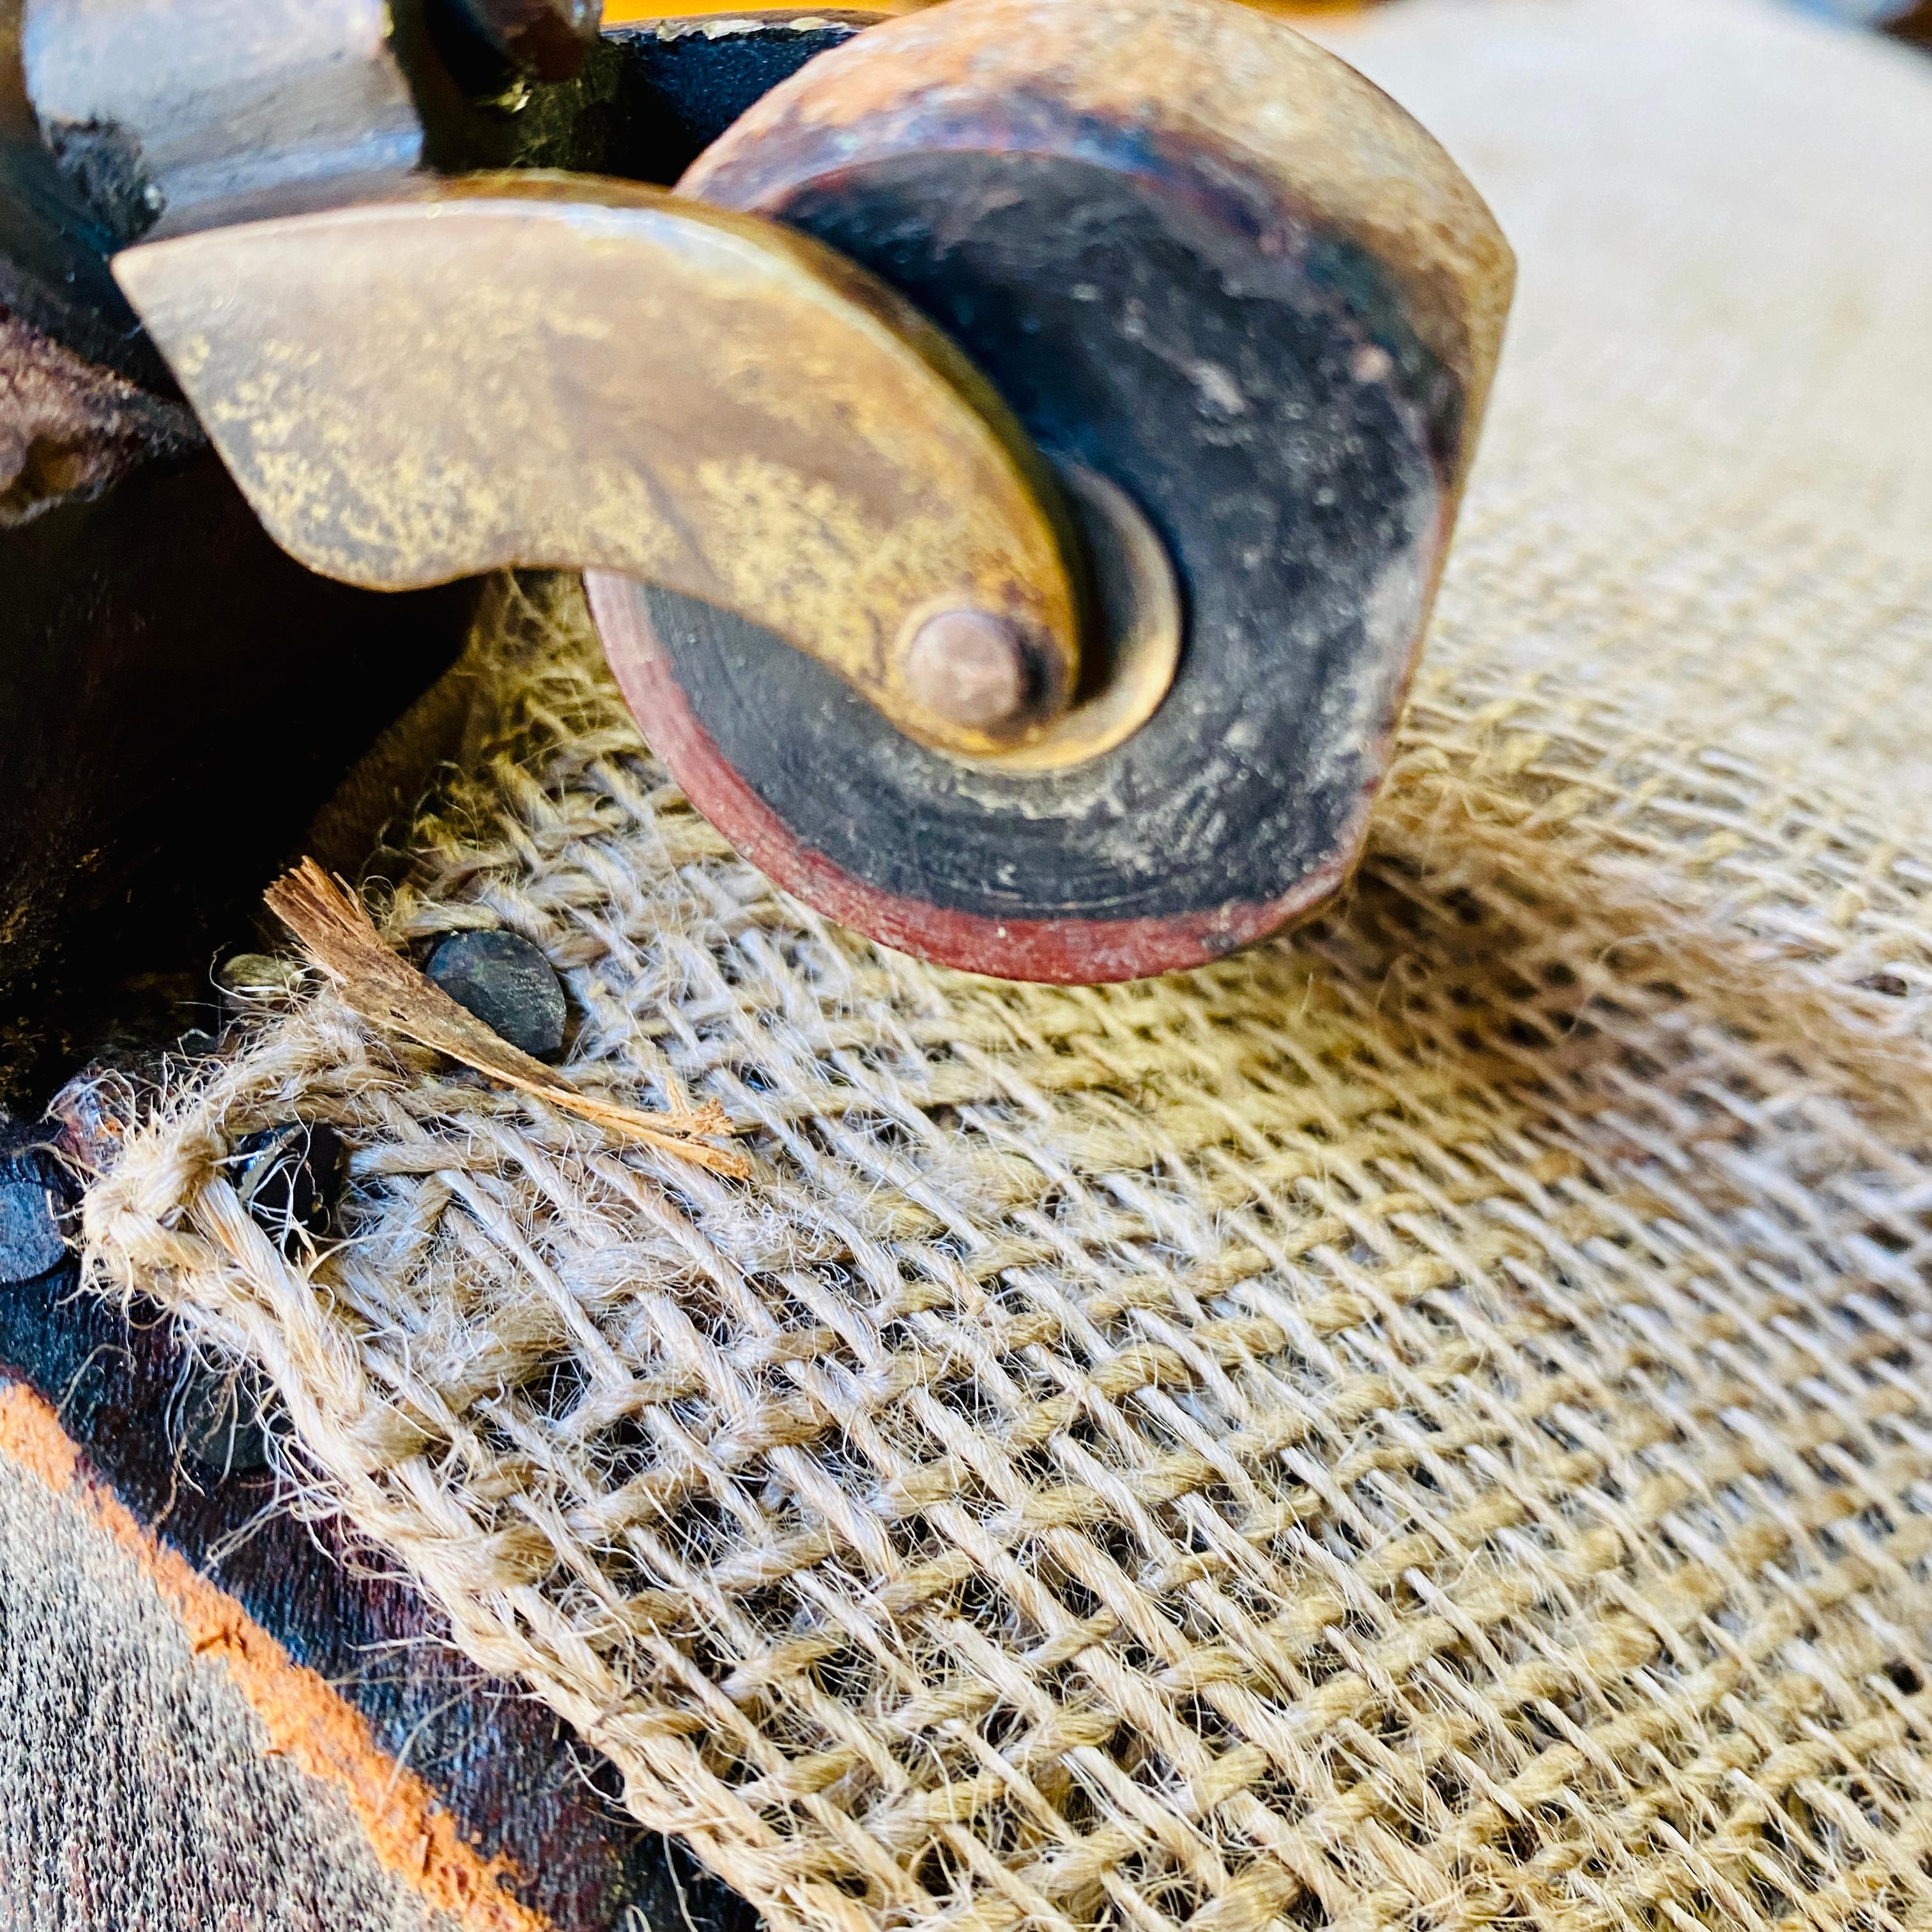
point(514, 1776)
point(682, 89)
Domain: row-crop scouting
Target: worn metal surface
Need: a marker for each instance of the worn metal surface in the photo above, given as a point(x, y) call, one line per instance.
point(552, 371)
point(54, 279)
point(1134, 637)
point(168, 115)
point(1206, 260)
point(968, 665)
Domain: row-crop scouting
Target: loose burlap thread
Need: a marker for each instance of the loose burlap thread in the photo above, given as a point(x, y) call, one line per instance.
point(1429, 1422)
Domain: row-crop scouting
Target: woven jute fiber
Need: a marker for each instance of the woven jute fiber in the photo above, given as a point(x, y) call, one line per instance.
point(1426, 1424)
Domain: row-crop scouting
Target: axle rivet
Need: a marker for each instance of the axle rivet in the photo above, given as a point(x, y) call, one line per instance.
point(970, 666)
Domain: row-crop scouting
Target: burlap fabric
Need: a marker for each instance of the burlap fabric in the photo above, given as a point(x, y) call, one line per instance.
point(1426, 1424)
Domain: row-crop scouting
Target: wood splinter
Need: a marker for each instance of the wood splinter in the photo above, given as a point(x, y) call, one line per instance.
point(339, 939)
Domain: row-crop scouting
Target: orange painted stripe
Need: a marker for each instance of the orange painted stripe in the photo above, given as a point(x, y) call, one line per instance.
point(307, 1722)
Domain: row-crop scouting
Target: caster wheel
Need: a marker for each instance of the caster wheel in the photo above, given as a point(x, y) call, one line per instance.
point(1249, 310)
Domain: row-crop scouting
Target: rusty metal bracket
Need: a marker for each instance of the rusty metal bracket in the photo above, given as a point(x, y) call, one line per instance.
point(576, 372)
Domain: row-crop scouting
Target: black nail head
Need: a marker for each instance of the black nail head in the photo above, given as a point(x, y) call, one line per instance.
point(220, 1426)
point(508, 984)
point(289, 1177)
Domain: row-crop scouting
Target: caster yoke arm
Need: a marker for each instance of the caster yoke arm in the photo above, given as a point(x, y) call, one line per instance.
point(567, 372)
